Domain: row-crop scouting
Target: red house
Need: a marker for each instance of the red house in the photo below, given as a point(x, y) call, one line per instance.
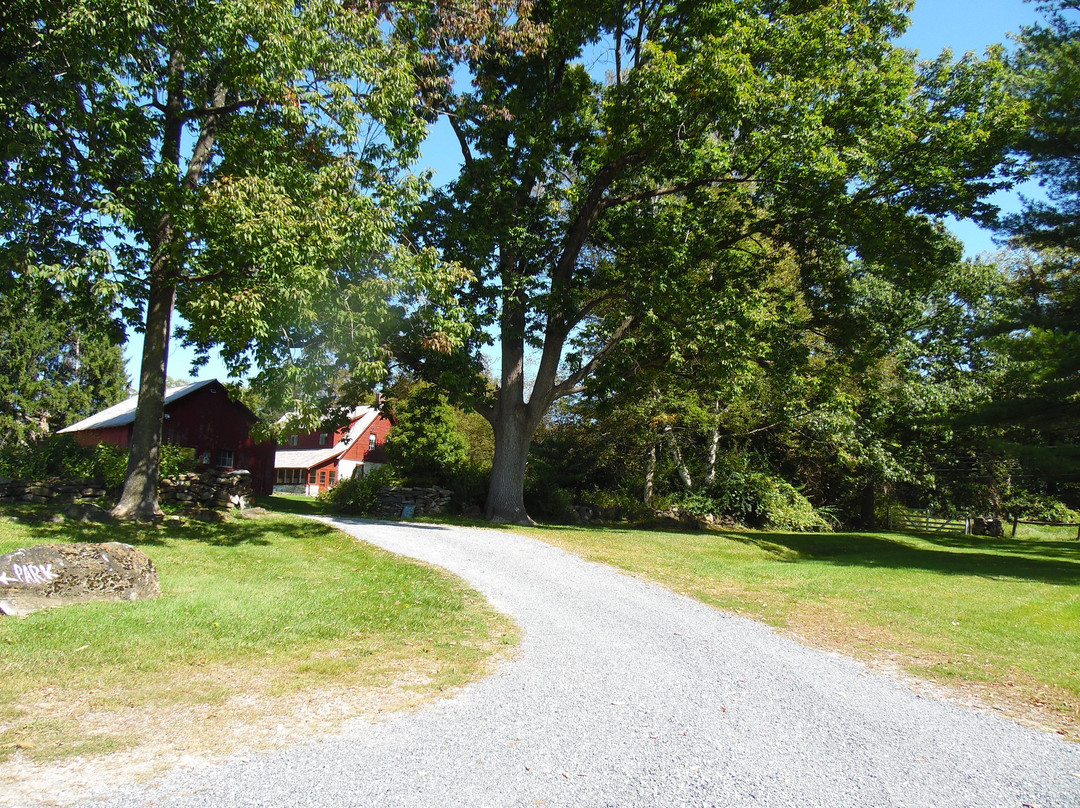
point(315, 461)
point(199, 416)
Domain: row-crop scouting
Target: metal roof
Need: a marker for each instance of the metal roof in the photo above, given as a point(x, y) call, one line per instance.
point(124, 412)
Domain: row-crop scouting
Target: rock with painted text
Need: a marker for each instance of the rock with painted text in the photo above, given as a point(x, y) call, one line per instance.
point(51, 575)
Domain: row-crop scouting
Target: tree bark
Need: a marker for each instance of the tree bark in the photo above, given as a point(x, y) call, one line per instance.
point(506, 492)
point(139, 498)
point(714, 446)
point(650, 475)
point(680, 466)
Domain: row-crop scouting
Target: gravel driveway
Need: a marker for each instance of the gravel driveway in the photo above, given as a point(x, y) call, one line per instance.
point(624, 694)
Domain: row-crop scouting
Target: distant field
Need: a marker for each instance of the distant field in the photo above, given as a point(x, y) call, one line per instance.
point(998, 619)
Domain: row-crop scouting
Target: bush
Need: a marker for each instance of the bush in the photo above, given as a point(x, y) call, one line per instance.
point(357, 495)
point(470, 487)
point(61, 457)
point(755, 499)
point(549, 503)
point(176, 460)
point(1037, 507)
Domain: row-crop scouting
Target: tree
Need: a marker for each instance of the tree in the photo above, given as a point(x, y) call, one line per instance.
point(1046, 78)
point(726, 137)
point(60, 360)
point(243, 162)
point(426, 446)
point(1039, 324)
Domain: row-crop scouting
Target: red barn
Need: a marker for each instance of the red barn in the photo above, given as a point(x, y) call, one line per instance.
point(199, 416)
point(315, 461)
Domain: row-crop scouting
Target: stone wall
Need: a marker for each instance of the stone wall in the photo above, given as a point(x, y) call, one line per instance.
point(60, 491)
point(424, 501)
point(210, 489)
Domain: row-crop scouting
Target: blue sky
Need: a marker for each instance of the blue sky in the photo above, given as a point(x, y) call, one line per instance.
point(962, 25)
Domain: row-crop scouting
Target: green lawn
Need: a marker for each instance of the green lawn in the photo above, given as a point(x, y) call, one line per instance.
point(272, 612)
point(999, 618)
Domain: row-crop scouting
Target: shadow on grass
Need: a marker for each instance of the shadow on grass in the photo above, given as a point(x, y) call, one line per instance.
point(233, 532)
point(950, 555)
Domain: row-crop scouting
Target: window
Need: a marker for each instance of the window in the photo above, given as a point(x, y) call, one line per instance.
point(311, 478)
point(372, 442)
point(294, 439)
point(332, 480)
point(225, 458)
point(322, 478)
point(323, 438)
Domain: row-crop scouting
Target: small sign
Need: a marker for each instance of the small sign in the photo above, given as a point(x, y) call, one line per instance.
point(408, 511)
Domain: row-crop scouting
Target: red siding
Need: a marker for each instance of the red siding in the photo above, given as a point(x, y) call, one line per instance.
point(358, 449)
point(209, 422)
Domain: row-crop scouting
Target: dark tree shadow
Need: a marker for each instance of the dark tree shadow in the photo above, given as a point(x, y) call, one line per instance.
point(1045, 561)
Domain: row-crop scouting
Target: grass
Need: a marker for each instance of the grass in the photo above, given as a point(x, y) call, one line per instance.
point(996, 618)
point(262, 620)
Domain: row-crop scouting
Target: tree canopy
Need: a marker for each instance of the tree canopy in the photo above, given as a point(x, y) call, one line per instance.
point(60, 360)
point(244, 162)
point(645, 211)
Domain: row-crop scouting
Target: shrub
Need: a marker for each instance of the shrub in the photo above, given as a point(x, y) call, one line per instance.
point(755, 499)
point(357, 495)
point(1038, 507)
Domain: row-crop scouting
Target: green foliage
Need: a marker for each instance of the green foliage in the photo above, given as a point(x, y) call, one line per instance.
point(61, 457)
point(60, 356)
point(549, 503)
point(358, 494)
point(1037, 506)
point(755, 499)
point(177, 460)
point(1045, 76)
point(742, 163)
point(426, 446)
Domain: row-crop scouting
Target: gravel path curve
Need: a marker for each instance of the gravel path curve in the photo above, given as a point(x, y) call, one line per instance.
point(625, 694)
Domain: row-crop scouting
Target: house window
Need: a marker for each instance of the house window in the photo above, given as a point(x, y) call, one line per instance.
point(225, 458)
point(332, 479)
point(322, 478)
point(294, 439)
point(311, 478)
point(372, 442)
point(323, 438)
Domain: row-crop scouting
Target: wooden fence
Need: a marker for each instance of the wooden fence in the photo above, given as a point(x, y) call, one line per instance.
point(1045, 524)
point(925, 522)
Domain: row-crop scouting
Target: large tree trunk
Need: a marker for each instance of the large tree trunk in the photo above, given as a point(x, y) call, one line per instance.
point(506, 492)
point(139, 499)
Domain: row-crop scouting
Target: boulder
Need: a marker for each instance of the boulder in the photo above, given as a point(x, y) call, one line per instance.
point(62, 574)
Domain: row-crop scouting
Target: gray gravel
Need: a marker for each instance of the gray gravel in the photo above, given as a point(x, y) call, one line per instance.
point(624, 694)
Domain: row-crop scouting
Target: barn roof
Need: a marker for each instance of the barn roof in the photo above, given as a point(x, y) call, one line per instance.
point(124, 412)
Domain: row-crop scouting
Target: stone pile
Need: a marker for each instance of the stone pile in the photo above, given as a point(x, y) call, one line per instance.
point(423, 501)
point(63, 491)
point(221, 490)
